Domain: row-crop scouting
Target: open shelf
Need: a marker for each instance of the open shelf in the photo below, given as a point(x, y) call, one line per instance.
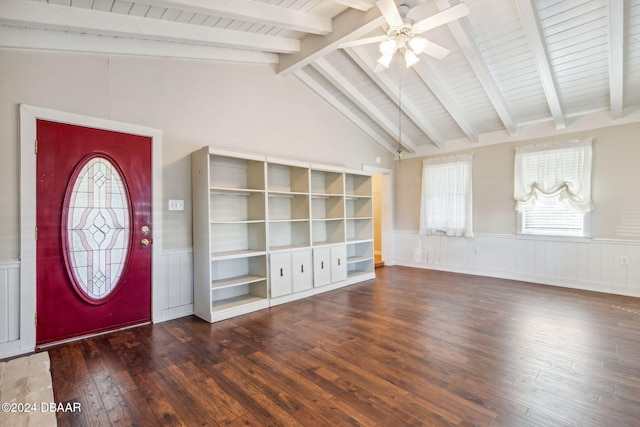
point(237, 236)
point(224, 304)
point(283, 178)
point(359, 229)
point(228, 172)
point(357, 185)
point(326, 182)
point(247, 208)
point(236, 281)
point(358, 207)
point(219, 256)
point(293, 233)
point(327, 207)
point(296, 206)
point(360, 260)
point(330, 231)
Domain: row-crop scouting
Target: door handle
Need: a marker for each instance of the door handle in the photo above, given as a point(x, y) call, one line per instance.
point(321, 264)
point(145, 242)
point(281, 273)
point(338, 261)
point(301, 268)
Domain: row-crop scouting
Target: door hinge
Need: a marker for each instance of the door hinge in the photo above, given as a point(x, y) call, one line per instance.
point(36, 146)
point(36, 233)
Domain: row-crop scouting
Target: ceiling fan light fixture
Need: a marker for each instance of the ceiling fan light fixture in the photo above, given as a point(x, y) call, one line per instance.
point(410, 58)
point(385, 60)
point(388, 47)
point(418, 44)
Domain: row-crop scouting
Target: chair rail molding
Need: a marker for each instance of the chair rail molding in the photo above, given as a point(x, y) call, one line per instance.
point(600, 265)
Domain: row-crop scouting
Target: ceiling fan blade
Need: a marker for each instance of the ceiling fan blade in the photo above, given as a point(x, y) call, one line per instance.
point(435, 50)
point(359, 42)
point(456, 12)
point(390, 12)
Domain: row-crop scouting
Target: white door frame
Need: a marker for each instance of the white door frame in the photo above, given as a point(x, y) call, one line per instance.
point(388, 249)
point(28, 116)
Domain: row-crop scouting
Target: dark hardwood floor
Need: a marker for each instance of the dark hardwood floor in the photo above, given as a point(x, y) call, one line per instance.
point(413, 347)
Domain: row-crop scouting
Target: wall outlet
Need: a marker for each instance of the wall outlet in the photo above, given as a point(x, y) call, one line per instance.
point(176, 205)
point(624, 260)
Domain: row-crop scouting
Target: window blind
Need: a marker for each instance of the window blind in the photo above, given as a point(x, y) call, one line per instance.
point(552, 187)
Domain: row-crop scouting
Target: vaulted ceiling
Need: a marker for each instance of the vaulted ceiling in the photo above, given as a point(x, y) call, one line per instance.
point(512, 63)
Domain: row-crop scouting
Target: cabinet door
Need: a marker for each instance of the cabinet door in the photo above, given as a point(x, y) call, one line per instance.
point(280, 274)
point(338, 263)
point(301, 270)
point(321, 267)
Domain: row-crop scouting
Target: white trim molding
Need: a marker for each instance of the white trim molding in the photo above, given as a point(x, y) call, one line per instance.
point(609, 266)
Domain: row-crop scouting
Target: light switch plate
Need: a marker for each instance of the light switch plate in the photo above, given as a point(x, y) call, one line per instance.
point(176, 205)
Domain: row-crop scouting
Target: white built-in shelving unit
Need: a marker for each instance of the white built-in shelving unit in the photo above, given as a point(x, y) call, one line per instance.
point(267, 231)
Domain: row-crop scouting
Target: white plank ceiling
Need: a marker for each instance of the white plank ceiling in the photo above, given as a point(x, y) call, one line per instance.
point(513, 63)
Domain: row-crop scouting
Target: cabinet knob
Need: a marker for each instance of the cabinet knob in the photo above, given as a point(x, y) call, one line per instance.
point(145, 242)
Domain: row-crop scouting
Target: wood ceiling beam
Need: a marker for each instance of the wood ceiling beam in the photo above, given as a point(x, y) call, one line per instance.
point(463, 35)
point(251, 11)
point(28, 38)
point(430, 78)
point(362, 5)
point(338, 105)
point(350, 25)
point(538, 45)
point(47, 16)
point(361, 100)
point(391, 88)
point(616, 57)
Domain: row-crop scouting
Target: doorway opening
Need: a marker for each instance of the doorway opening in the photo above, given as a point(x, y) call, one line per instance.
point(382, 198)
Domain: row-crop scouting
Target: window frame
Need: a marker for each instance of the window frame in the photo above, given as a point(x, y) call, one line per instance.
point(521, 229)
point(586, 228)
point(467, 228)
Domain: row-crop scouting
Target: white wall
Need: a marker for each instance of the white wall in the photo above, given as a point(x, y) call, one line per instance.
point(195, 103)
point(592, 264)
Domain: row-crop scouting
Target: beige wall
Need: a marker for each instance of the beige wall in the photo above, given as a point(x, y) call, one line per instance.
point(195, 103)
point(615, 180)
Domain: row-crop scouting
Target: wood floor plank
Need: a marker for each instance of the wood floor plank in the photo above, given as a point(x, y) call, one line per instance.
point(412, 347)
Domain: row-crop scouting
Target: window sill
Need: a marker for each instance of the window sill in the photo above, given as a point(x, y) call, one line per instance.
point(554, 237)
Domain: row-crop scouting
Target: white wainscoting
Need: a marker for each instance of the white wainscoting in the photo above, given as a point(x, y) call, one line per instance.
point(177, 280)
point(589, 264)
point(176, 294)
point(9, 307)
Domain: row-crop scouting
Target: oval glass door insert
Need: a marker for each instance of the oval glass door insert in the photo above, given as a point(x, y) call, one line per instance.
point(96, 228)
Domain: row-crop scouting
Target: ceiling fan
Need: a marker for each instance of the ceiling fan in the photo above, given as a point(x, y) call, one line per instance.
point(403, 33)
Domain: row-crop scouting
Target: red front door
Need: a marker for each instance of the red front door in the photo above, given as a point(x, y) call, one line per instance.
point(93, 249)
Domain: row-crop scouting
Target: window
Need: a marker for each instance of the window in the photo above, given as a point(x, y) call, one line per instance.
point(552, 188)
point(446, 205)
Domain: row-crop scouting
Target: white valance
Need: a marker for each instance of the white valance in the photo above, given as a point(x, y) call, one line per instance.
point(446, 204)
point(560, 170)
